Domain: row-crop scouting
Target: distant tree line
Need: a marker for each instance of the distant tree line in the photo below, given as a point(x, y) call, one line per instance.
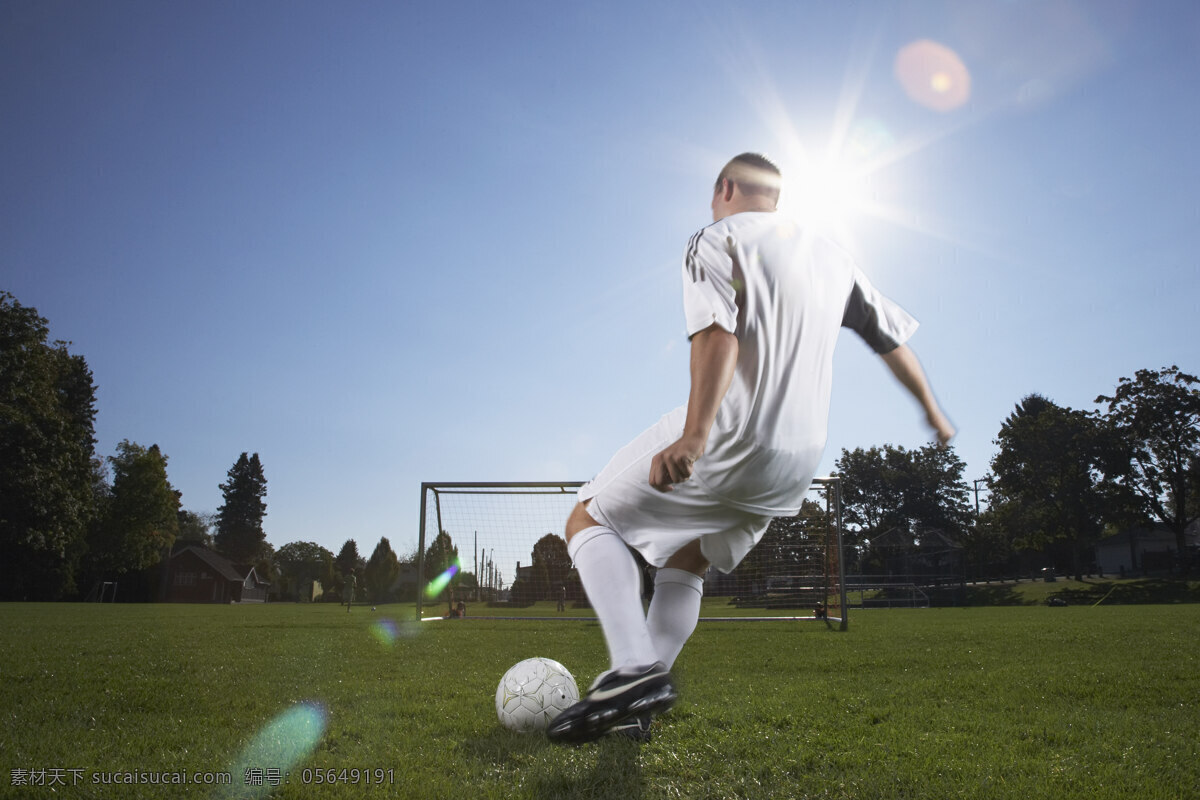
point(1061, 480)
point(70, 519)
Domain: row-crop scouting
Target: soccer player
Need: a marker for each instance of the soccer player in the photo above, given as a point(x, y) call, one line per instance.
point(764, 299)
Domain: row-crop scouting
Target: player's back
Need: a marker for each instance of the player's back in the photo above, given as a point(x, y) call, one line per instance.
point(786, 292)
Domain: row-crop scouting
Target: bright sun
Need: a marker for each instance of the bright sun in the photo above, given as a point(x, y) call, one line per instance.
point(826, 194)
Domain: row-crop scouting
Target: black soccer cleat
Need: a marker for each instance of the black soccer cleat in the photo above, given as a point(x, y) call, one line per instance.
point(613, 699)
point(636, 728)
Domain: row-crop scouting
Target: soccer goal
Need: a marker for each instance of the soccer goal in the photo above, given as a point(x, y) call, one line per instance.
point(496, 550)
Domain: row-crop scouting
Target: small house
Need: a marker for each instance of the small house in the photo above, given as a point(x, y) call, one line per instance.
point(199, 575)
point(1142, 550)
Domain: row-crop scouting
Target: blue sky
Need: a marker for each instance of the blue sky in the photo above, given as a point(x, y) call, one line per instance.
point(382, 243)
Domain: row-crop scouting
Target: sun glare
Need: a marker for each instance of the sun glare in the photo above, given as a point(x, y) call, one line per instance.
point(827, 194)
point(841, 190)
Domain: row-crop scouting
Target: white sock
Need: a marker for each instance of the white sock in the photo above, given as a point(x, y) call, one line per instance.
point(613, 583)
point(674, 611)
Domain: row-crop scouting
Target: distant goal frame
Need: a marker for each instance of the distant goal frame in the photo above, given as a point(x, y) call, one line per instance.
point(831, 486)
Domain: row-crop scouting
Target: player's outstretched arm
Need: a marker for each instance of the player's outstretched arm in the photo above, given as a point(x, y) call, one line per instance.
point(904, 365)
point(713, 360)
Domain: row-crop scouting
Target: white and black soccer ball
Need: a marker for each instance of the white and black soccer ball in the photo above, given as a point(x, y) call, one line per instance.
point(533, 692)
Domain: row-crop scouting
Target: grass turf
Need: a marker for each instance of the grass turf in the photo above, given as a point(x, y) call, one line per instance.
point(1075, 702)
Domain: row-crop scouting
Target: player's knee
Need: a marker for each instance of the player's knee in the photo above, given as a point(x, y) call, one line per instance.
point(579, 520)
point(689, 558)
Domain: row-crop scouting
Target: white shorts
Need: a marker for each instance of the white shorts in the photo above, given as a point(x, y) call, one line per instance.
point(657, 524)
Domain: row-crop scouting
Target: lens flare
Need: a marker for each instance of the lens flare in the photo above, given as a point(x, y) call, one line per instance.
point(439, 583)
point(933, 75)
point(286, 741)
point(868, 138)
point(384, 632)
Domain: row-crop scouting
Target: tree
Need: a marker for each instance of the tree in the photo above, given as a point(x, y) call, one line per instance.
point(551, 563)
point(195, 528)
point(347, 561)
point(1048, 479)
point(240, 535)
point(1157, 416)
point(889, 487)
point(441, 554)
point(265, 567)
point(47, 448)
point(787, 541)
point(141, 517)
point(381, 571)
point(299, 564)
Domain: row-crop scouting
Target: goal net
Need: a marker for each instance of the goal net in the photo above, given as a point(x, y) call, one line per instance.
point(496, 550)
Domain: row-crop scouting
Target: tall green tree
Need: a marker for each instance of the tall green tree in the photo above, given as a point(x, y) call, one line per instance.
point(440, 555)
point(551, 563)
point(348, 560)
point(788, 541)
point(1049, 485)
point(47, 448)
point(195, 528)
point(240, 535)
point(141, 517)
point(298, 563)
point(910, 490)
point(1157, 415)
point(383, 567)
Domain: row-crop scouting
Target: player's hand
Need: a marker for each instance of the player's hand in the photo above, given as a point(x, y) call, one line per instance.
point(941, 427)
point(674, 463)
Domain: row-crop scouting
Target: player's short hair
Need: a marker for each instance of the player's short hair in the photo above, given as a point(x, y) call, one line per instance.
point(754, 173)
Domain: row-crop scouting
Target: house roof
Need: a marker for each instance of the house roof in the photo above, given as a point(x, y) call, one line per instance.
point(220, 564)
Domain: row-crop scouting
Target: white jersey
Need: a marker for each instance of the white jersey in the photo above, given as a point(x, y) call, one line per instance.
point(785, 293)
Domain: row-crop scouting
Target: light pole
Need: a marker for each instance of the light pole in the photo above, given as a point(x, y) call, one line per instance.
point(976, 482)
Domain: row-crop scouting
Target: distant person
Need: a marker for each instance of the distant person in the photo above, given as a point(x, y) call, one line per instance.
point(351, 585)
point(764, 299)
point(562, 598)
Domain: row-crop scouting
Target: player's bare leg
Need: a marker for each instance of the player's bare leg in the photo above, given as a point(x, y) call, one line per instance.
point(689, 558)
point(579, 520)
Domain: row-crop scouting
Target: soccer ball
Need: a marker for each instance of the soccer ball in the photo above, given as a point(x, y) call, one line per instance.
point(533, 692)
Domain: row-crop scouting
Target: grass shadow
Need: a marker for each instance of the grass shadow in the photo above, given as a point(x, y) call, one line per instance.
point(615, 772)
point(997, 595)
point(1139, 592)
point(609, 768)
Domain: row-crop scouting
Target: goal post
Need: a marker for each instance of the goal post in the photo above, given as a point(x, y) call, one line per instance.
point(497, 548)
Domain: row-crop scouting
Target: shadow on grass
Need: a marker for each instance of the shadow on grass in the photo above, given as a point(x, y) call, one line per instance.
point(609, 768)
point(1087, 592)
point(997, 595)
point(1147, 591)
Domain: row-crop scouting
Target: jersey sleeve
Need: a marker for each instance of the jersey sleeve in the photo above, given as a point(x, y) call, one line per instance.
point(709, 292)
point(882, 324)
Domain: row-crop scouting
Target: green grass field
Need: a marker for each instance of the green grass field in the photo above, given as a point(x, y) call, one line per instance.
point(1022, 702)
